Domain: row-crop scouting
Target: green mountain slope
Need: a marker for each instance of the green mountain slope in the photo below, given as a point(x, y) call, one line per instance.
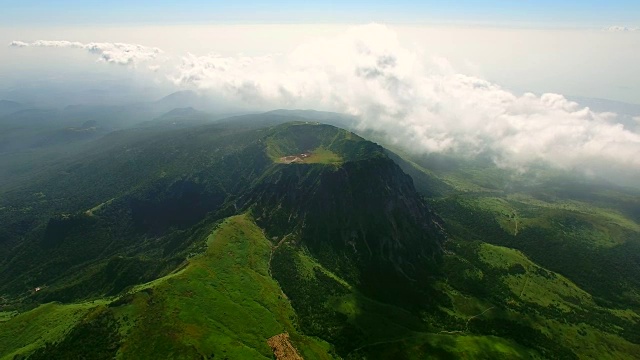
point(212, 239)
point(222, 303)
point(553, 258)
point(362, 219)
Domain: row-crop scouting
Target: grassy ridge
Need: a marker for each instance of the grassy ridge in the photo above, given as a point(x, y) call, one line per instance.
point(224, 304)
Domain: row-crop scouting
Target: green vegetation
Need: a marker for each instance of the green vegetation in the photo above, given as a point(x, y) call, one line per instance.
point(325, 144)
point(206, 245)
point(330, 308)
point(222, 303)
point(542, 309)
point(437, 346)
point(33, 329)
point(532, 283)
point(323, 156)
point(553, 257)
point(537, 262)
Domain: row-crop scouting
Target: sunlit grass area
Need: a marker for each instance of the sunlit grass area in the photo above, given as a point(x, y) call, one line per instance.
point(223, 303)
point(46, 323)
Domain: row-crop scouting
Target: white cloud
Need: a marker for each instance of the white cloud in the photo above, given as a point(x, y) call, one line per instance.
point(115, 53)
point(18, 44)
point(621, 29)
point(422, 103)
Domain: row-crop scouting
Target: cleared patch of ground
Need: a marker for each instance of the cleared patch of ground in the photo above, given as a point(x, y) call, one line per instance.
point(294, 158)
point(318, 156)
point(282, 348)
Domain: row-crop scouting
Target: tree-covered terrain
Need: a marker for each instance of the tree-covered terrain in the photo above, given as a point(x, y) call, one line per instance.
point(198, 241)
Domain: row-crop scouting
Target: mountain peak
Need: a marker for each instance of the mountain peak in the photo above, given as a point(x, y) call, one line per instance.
point(301, 137)
point(185, 111)
point(349, 204)
point(179, 96)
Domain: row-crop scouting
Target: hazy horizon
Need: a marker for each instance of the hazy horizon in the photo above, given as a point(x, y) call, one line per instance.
point(523, 60)
point(461, 83)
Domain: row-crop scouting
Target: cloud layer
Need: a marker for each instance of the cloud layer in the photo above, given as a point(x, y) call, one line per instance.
point(621, 29)
point(115, 53)
point(422, 104)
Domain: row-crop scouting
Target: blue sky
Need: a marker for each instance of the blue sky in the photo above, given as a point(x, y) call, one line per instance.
point(566, 13)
